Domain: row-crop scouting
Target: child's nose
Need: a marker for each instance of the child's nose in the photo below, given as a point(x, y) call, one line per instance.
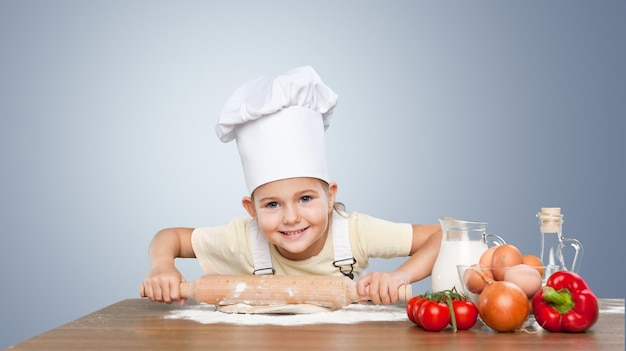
point(291, 215)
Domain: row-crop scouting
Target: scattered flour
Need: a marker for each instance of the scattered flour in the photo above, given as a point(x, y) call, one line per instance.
point(241, 287)
point(354, 313)
point(612, 306)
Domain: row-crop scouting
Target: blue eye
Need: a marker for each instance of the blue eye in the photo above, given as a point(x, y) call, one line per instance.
point(306, 198)
point(272, 204)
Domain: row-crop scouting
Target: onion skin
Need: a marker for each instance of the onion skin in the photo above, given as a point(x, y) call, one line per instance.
point(503, 306)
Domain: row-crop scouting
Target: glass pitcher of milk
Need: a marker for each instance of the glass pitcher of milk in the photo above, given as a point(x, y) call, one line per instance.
point(462, 243)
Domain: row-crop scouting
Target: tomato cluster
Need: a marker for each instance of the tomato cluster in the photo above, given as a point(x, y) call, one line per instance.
point(435, 311)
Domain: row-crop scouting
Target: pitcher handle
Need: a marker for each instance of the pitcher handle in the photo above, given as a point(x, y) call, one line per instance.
point(578, 252)
point(493, 238)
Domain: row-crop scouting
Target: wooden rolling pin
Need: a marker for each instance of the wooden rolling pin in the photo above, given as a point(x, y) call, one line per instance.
point(263, 290)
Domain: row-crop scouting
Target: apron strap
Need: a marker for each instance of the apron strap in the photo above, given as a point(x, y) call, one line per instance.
point(344, 260)
point(260, 251)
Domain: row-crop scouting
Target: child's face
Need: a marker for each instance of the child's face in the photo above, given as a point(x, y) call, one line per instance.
point(293, 214)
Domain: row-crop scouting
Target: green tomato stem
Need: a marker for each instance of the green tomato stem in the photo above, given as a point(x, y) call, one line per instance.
point(452, 315)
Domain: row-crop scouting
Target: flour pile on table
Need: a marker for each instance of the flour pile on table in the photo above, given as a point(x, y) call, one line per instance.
point(612, 306)
point(354, 313)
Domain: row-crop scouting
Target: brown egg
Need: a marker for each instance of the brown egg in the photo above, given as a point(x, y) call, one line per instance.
point(504, 256)
point(485, 258)
point(475, 279)
point(524, 276)
point(534, 262)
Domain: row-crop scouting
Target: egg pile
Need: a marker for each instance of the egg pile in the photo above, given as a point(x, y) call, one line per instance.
point(505, 263)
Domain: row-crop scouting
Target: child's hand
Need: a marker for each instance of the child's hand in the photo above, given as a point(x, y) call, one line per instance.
point(381, 287)
point(163, 285)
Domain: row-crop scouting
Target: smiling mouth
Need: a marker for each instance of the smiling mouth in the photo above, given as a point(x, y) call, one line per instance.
point(294, 232)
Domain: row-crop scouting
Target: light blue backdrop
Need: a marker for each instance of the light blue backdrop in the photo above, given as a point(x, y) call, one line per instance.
point(482, 110)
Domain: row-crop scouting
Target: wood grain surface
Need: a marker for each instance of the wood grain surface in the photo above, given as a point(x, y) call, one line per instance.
point(138, 324)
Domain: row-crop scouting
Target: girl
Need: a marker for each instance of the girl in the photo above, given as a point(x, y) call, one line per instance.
point(295, 226)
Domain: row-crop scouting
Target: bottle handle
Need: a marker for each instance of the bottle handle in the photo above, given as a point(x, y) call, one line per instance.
point(493, 238)
point(578, 252)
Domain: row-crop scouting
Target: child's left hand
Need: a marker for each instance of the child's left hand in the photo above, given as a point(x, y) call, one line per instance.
point(381, 287)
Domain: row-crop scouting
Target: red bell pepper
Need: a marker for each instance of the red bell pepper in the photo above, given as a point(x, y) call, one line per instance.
point(565, 304)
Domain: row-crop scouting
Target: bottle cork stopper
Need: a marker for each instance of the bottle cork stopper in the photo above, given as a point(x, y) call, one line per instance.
point(551, 210)
point(550, 219)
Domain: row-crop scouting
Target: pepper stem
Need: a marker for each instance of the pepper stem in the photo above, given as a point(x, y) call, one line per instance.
point(560, 300)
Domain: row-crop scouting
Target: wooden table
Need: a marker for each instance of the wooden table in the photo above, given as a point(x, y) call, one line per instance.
point(138, 324)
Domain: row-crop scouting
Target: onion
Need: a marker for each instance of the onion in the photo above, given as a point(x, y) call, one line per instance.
point(503, 306)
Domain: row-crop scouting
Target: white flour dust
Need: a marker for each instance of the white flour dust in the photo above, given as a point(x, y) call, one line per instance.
point(612, 306)
point(354, 313)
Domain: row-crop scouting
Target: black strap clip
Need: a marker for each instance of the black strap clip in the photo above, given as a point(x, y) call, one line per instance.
point(264, 271)
point(345, 262)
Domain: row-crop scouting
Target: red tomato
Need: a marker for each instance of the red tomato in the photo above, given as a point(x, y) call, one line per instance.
point(416, 309)
point(433, 315)
point(466, 314)
point(410, 306)
point(413, 306)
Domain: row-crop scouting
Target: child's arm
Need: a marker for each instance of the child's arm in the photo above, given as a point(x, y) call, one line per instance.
point(382, 287)
point(163, 280)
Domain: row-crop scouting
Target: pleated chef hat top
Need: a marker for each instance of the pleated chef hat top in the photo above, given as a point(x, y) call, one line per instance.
point(279, 123)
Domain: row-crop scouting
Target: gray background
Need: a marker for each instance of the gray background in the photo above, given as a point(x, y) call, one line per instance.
point(482, 110)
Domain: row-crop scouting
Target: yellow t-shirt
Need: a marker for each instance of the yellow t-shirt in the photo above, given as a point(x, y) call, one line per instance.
point(226, 249)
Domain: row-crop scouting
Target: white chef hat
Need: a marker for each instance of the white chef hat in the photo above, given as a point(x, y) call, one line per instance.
point(279, 125)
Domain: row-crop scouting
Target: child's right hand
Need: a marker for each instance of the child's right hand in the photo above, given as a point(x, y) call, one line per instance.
point(163, 285)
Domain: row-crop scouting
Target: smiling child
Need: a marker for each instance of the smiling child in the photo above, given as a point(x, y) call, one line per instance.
point(293, 226)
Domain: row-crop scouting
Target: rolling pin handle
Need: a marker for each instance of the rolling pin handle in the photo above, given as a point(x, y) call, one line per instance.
point(405, 292)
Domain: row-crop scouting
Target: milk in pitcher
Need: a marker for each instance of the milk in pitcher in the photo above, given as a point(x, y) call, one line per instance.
point(445, 275)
